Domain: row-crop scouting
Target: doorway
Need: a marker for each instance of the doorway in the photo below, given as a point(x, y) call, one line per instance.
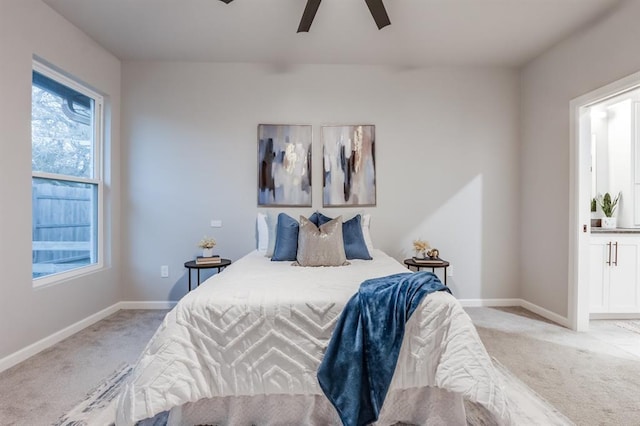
point(584, 186)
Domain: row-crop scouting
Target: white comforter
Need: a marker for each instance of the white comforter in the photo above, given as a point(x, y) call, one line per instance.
point(261, 327)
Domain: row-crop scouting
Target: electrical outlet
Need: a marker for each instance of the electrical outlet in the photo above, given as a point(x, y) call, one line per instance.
point(164, 271)
point(450, 271)
point(216, 223)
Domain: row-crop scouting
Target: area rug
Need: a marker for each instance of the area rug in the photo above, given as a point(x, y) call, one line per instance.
point(527, 407)
point(633, 325)
point(98, 407)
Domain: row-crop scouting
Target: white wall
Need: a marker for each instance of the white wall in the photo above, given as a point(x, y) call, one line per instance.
point(604, 52)
point(28, 28)
point(446, 157)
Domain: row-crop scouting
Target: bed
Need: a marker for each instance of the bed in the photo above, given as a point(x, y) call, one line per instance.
point(244, 348)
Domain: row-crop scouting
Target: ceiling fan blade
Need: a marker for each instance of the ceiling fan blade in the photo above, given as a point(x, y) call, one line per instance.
point(226, 1)
point(307, 16)
point(379, 13)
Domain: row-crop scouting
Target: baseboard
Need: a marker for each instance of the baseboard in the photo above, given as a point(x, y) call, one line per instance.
point(487, 303)
point(147, 305)
point(42, 344)
point(551, 316)
point(611, 316)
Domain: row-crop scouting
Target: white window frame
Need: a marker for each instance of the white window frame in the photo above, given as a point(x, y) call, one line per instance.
point(98, 177)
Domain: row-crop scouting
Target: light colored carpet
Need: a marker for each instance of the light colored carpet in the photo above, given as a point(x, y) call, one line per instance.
point(98, 407)
point(632, 325)
point(593, 378)
point(39, 390)
point(527, 407)
point(590, 380)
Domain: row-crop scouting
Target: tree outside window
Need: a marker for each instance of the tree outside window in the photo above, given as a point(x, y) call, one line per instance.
point(66, 182)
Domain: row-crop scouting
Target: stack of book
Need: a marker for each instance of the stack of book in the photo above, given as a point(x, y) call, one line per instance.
point(201, 260)
point(427, 260)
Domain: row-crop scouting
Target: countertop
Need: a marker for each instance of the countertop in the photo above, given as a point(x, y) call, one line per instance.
point(598, 230)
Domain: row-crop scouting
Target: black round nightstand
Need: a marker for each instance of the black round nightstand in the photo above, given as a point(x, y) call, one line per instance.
point(197, 266)
point(428, 263)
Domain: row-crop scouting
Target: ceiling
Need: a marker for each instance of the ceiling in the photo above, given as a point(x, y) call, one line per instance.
point(422, 32)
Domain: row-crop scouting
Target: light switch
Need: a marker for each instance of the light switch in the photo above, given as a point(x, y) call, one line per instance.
point(216, 223)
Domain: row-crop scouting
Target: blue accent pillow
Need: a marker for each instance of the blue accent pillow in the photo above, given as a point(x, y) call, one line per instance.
point(322, 219)
point(315, 219)
point(354, 245)
point(286, 247)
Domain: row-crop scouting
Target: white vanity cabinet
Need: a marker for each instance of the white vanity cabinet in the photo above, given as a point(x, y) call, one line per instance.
point(615, 273)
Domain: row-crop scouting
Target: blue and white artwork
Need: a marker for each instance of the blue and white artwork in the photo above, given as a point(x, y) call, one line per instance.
point(349, 177)
point(284, 165)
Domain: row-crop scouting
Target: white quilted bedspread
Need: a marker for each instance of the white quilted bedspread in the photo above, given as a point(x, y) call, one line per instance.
point(261, 327)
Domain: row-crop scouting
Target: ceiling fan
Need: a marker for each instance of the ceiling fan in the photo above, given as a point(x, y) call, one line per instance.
point(376, 7)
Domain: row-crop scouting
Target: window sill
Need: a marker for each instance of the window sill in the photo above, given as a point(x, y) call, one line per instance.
point(61, 277)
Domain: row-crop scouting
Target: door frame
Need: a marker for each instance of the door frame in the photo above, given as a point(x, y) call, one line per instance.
point(580, 196)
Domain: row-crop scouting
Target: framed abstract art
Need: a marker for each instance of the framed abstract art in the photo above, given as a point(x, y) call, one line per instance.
point(284, 165)
point(349, 173)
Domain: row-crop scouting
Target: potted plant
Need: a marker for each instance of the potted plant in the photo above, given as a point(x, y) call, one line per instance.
point(421, 247)
point(596, 221)
point(207, 244)
point(608, 207)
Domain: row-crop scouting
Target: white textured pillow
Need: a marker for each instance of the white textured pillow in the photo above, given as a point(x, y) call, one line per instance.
point(263, 233)
point(365, 223)
point(323, 246)
point(266, 226)
point(272, 225)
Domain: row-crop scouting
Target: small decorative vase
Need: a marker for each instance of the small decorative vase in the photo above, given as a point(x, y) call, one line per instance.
point(609, 222)
point(420, 254)
point(207, 252)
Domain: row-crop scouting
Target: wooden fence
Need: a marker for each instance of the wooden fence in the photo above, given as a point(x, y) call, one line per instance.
point(63, 235)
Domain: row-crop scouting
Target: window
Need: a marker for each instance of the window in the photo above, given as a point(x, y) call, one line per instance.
point(66, 144)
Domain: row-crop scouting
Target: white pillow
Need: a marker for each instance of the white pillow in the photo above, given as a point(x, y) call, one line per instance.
point(272, 225)
point(263, 233)
point(266, 225)
point(365, 223)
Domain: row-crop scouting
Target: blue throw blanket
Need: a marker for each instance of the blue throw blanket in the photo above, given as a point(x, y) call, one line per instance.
point(357, 368)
